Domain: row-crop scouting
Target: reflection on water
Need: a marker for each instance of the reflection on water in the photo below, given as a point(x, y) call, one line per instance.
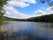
point(27, 30)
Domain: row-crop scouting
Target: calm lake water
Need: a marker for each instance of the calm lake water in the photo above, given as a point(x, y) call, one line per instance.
point(16, 30)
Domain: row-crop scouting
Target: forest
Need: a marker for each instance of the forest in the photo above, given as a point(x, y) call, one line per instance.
point(43, 18)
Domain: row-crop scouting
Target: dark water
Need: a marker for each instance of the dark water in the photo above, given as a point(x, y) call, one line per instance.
point(16, 30)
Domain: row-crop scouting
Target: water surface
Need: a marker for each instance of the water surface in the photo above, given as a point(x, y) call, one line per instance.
point(16, 30)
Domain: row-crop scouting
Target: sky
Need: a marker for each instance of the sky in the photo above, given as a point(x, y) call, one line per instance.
point(21, 9)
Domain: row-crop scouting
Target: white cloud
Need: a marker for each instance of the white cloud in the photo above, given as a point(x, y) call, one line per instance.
point(38, 13)
point(11, 12)
point(21, 3)
point(29, 1)
point(18, 4)
point(48, 10)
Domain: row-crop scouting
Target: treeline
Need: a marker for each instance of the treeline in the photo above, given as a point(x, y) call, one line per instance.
point(8, 19)
point(44, 18)
point(11, 19)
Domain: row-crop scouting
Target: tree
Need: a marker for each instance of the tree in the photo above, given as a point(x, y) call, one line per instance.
point(2, 2)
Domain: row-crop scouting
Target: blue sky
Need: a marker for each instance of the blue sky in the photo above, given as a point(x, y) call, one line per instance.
point(33, 7)
point(25, 8)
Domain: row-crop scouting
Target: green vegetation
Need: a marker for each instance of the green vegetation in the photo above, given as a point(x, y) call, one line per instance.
point(2, 2)
point(44, 18)
point(8, 19)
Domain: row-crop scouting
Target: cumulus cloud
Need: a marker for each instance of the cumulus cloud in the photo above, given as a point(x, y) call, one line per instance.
point(21, 3)
point(18, 4)
point(48, 10)
point(11, 12)
point(39, 13)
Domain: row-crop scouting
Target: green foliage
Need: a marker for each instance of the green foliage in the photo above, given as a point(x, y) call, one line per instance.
point(44, 18)
point(2, 2)
point(8, 19)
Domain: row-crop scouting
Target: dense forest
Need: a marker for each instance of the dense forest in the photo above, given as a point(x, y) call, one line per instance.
point(43, 18)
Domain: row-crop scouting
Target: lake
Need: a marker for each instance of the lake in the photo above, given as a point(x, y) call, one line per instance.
point(18, 30)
